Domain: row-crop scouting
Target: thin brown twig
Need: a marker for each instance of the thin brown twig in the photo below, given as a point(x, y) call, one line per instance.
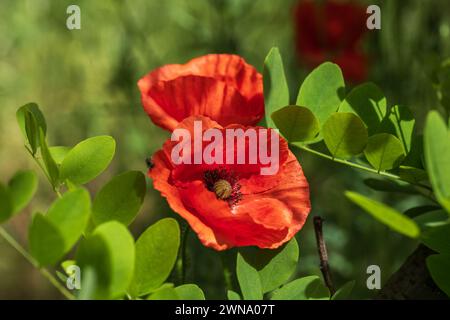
point(323, 254)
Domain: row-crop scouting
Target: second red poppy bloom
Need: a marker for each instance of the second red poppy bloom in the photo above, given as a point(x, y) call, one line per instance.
point(222, 87)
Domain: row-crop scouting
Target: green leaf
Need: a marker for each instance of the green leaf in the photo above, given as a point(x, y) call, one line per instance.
point(385, 185)
point(231, 295)
point(46, 241)
point(410, 174)
point(384, 151)
point(53, 235)
point(58, 153)
point(189, 292)
point(401, 124)
point(6, 205)
point(322, 91)
point(369, 103)
point(31, 120)
point(88, 159)
point(437, 157)
point(50, 164)
point(22, 188)
point(276, 90)
point(296, 124)
point(70, 214)
point(416, 212)
point(437, 238)
point(156, 253)
point(120, 199)
point(434, 218)
point(345, 135)
point(166, 293)
point(386, 215)
point(249, 279)
point(307, 288)
point(275, 267)
point(438, 265)
point(343, 293)
point(110, 252)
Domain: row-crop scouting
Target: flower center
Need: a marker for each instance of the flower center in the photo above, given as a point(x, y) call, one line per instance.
point(223, 189)
point(224, 184)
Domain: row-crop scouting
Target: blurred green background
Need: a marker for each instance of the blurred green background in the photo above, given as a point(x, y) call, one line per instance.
point(85, 83)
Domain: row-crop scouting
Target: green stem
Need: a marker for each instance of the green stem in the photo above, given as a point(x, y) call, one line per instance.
point(358, 166)
point(35, 264)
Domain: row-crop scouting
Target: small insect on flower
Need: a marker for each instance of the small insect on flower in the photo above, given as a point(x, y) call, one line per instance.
point(149, 163)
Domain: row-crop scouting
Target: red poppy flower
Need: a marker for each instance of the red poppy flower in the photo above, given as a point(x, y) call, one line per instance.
point(222, 87)
point(332, 31)
point(233, 205)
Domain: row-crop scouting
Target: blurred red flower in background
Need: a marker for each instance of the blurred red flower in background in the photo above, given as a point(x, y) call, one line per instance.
point(332, 31)
point(231, 205)
point(222, 87)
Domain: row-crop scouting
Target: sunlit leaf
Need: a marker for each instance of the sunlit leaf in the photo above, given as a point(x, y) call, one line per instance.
point(307, 288)
point(322, 91)
point(53, 235)
point(296, 124)
point(276, 91)
point(384, 151)
point(88, 159)
point(58, 153)
point(386, 215)
point(231, 295)
point(50, 164)
point(437, 157)
point(345, 135)
point(156, 253)
point(401, 124)
point(249, 279)
point(369, 103)
point(275, 267)
point(120, 199)
point(46, 241)
point(22, 188)
point(189, 292)
point(31, 120)
point(110, 252)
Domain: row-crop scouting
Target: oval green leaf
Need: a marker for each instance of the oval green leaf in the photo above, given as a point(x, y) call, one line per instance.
point(249, 279)
point(384, 151)
point(31, 121)
point(70, 214)
point(45, 240)
point(156, 253)
point(275, 267)
point(22, 188)
point(88, 159)
point(386, 215)
point(345, 135)
point(322, 91)
point(307, 288)
point(120, 199)
point(109, 251)
point(189, 292)
point(437, 157)
point(296, 124)
point(369, 103)
point(439, 265)
point(276, 91)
